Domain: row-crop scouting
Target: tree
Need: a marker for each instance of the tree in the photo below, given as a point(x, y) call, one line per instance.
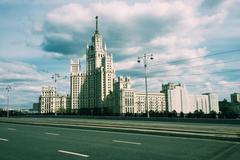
point(227, 109)
point(189, 115)
point(152, 113)
point(198, 114)
point(213, 114)
point(174, 113)
point(181, 114)
point(61, 110)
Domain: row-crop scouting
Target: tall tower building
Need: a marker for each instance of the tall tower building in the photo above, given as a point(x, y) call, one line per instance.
point(77, 83)
point(99, 71)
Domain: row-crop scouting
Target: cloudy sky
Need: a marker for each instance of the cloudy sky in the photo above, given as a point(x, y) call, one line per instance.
point(194, 42)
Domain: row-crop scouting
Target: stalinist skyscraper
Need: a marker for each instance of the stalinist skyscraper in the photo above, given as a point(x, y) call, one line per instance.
point(91, 89)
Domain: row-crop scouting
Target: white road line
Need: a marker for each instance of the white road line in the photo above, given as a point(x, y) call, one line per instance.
point(53, 134)
point(2, 139)
point(117, 141)
point(73, 153)
point(11, 129)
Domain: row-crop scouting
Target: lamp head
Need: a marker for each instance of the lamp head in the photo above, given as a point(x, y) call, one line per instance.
point(138, 60)
point(151, 57)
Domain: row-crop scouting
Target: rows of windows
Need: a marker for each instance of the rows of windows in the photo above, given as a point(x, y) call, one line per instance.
point(129, 109)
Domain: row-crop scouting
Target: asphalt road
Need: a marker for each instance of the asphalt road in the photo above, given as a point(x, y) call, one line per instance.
point(25, 142)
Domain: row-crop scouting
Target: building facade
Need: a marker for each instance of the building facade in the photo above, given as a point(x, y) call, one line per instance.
point(99, 71)
point(177, 97)
point(92, 88)
point(198, 102)
point(128, 100)
point(213, 101)
point(51, 102)
point(156, 102)
point(180, 100)
point(77, 86)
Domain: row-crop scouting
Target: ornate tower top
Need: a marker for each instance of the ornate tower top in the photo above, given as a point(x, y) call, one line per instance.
point(97, 44)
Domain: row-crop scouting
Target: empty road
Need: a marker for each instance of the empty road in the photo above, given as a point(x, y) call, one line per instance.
point(27, 142)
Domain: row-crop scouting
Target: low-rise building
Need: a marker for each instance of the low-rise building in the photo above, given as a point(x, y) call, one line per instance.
point(156, 102)
point(128, 100)
point(51, 102)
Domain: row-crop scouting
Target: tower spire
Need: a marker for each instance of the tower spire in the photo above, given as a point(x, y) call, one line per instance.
point(96, 24)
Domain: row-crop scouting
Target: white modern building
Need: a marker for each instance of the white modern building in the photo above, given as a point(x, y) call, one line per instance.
point(180, 100)
point(51, 102)
point(198, 102)
point(213, 101)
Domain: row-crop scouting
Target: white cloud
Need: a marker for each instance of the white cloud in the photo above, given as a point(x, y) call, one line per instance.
point(132, 50)
point(125, 65)
point(174, 41)
point(63, 36)
point(19, 71)
point(57, 56)
point(73, 16)
point(26, 82)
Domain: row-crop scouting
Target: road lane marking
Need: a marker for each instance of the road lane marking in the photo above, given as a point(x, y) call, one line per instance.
point(73, 153)
point(53, 134)
point(2, 139)
point(128, 142)
point(11, 129)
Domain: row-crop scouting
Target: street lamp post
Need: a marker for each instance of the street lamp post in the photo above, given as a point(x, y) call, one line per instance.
point(145, 57)
point(8, 88)
point(55, 77)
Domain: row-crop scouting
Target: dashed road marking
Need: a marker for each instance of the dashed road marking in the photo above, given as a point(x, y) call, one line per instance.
point(2, 139)
point(73, 153)
point(11, 129)
point(53, 134)
point(128, 142)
